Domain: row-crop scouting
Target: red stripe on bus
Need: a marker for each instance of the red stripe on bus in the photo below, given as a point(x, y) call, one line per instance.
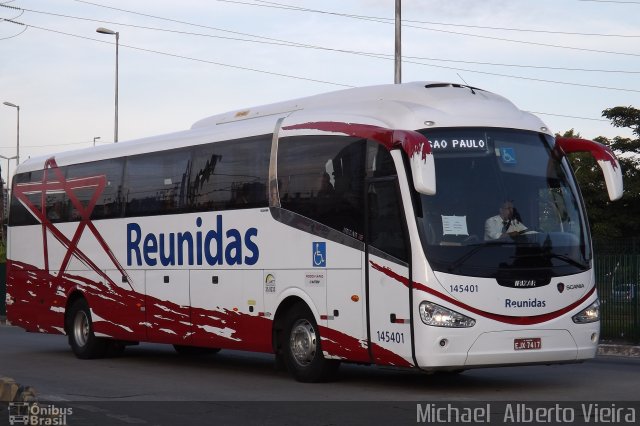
point(516, 320)
point(411, 142)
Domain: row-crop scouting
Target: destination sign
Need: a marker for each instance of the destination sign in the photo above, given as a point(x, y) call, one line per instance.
point(450, 144)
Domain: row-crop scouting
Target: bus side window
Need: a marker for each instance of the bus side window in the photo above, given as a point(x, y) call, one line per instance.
point(322, 179)
point(156, 183)
point(230, 175)
point(19, 215)
point(109, 203)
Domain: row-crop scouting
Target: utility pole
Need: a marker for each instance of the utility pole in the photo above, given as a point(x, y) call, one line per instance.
point(398, 53)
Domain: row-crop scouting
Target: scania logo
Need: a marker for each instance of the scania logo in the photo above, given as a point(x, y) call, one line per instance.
point(574, 286)
point(560, 287)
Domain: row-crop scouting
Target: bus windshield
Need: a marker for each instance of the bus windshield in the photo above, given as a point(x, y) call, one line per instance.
point(506, 206)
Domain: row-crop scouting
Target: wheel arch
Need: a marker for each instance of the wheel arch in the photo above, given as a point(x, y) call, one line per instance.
point(286, 303)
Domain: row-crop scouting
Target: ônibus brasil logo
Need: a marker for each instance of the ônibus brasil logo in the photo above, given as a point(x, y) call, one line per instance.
point(33, 413)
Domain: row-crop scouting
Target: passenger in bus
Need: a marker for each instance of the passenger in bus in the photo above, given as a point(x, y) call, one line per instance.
point(325, 190)
point(505, 224)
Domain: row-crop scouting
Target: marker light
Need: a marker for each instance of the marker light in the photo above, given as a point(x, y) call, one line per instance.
point(590, 314)
point(439, 316)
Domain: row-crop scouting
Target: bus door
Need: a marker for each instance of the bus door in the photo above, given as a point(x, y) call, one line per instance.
point(321, 161)
point(388, 269)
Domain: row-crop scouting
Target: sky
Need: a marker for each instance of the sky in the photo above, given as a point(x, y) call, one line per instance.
point(179, 62)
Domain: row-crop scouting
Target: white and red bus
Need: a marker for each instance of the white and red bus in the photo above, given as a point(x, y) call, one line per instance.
point(353, 226)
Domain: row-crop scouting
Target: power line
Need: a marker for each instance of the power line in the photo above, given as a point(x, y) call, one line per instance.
point(324, 81)
point(286, 43)
point(386, 21)
point(568, 116)
point(530, 30)
point(15, 35)
point(591, 86)
point(613, 1)
point(372, 19)
point(51, 146)
point(296, 77)
point(174, 55)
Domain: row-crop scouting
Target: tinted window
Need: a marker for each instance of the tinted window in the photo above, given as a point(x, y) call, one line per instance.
point(87, 181)
point(18, 213)
point(322, 178)
point(230, 175)
point(379, 161)
point(385, 219)
point(156, 183)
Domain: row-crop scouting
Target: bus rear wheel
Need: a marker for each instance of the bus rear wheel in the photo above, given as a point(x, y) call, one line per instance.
point(83, 342)
point(302, 348)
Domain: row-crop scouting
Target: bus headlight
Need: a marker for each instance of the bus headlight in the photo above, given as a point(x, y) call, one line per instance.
point(590, 314)
point(439, 316)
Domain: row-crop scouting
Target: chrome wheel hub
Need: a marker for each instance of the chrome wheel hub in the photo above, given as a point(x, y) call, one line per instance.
point(81, 328)
point(303, 343)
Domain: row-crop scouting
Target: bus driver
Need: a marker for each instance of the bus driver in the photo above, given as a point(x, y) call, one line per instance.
point(505, 224)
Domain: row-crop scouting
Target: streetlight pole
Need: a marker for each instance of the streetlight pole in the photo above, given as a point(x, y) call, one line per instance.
point(102, 30)
point(8, 159)
point(8, 199)
point(398, 50)
point(17, 132)
point(94, 140)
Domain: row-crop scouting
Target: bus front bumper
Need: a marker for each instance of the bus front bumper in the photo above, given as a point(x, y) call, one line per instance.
point(513, 347)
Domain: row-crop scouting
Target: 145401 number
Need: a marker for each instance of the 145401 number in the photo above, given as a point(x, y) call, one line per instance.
point(390, 336)
point(466, 288)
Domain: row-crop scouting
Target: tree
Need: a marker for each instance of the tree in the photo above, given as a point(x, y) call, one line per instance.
point(620, 218)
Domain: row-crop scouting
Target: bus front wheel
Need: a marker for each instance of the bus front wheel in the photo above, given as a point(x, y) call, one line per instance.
point(83, 342)
point(302, 348)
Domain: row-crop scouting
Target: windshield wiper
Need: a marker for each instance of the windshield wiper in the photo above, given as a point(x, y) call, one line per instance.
point(459, 261)
point(568, 260)
point(562, 257)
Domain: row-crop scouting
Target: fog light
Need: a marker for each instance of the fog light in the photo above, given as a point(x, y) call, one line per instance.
point(439, 316)
point(589, 314)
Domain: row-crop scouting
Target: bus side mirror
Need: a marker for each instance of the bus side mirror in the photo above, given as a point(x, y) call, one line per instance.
point(605, 158)
point(418, 149)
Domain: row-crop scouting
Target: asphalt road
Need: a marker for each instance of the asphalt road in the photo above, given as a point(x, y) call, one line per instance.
point(244, 388)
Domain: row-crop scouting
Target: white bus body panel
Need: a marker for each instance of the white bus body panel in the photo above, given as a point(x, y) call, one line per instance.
point(286, 268)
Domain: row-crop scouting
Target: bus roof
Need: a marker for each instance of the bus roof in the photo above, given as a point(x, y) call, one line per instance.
point(404, 106)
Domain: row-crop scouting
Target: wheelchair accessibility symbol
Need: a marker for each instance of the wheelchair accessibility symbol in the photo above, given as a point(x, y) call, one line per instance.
point(319, 254)
point(508, 156)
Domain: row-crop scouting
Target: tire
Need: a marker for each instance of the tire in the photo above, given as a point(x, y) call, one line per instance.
point(194, 350)
point(302, 348)
point(83, 342)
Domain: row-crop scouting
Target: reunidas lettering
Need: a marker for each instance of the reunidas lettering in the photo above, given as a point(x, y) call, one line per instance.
point(213, 246)
point(530, 303)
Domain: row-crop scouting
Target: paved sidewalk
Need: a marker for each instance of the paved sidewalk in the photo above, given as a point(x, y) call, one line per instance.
point(606, 349)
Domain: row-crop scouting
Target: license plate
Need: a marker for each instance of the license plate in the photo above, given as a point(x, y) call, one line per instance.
point(527, 344)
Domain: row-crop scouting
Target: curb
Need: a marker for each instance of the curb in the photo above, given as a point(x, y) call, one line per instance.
point(628, 351)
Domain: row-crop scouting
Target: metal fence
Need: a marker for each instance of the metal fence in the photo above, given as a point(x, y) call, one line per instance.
point(617, 269)
point(3, 288)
